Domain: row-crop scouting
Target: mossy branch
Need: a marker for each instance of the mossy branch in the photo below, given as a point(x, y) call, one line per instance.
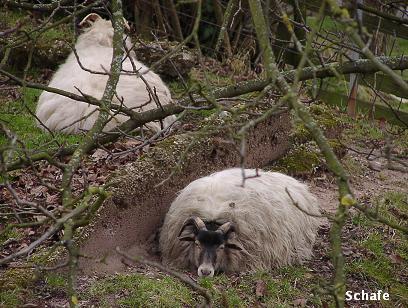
point(139, 119)
point(223, 35)
point(261, 29)
point(105, 103)
point(382, 14)
point(331, 159)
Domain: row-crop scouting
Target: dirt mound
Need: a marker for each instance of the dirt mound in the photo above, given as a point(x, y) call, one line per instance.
point(131, 218)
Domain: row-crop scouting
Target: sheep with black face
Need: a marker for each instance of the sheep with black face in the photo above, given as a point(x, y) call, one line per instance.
point(217, 225)
point(210, 243)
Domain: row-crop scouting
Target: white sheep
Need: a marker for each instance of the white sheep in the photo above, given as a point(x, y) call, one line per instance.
point(216, 224)
point(94, 49)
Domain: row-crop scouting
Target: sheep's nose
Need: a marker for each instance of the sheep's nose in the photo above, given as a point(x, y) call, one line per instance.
point(204, 272)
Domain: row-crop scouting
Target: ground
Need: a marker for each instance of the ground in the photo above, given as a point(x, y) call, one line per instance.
point(376, 260)
point(376, 256)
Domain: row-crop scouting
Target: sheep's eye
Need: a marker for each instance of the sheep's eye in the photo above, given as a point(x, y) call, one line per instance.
point(197, 242)
point(222, 246)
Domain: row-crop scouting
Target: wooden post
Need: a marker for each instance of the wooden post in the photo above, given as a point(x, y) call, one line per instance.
point(353, 84)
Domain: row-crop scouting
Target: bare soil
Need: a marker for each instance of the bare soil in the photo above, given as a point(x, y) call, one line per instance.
point(132, 217)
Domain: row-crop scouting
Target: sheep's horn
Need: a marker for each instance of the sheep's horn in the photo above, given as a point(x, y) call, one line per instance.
point(226, 228)
point(196, 221)
point(92, 17)
point(126, 24)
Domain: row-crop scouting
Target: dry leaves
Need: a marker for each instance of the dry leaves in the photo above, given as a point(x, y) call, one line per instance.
point(260, 288)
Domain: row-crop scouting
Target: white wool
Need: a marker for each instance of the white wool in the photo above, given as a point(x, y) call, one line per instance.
point(94, 48)
point(269, 226)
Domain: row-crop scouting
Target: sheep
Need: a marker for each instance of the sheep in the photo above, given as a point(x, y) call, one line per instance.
point(216, 224)
point(94, 49)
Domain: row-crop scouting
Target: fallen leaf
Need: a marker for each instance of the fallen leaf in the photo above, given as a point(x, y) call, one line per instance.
point(131, 143)
point(52, 199)
point(99, 154)
point(300, 302)
point(260, 289)
point(38, 191)
point(347, 251)
point(396, 259)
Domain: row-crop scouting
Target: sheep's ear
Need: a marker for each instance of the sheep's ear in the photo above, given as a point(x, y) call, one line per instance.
point(187, 238)
point(234, 244)
point(89, 20)
point(187, 233)
point(190, 228)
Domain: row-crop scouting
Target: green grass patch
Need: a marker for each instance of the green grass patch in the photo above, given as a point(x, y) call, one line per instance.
point(300, 160)
point(140, 291)
point(393, 205)
point(49, 47)
point(10, 298)
point(16, 234)
point(280, 289)
point(363, 131)
point(328, 119)
point(201, 78)
point(56, 281)
point(386, 262)
point(326, 24)
point(304, 157)
point(10, 18)
point(352, 166)
point(18, 117)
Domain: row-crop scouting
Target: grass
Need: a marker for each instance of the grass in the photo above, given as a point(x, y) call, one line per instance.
point(140, 291)
point(300, 160)
point(327, 24)
point(17, 117)
point(304, 156)
point(386, 262)
point(11, 234)
point(352, 166)
point(49, 48)
point(55, 281)
point(365, 131)
point(281, 288)
point(10, 298)
point(11, 17)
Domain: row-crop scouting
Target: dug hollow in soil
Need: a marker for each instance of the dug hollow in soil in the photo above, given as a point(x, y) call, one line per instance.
point(131, 218)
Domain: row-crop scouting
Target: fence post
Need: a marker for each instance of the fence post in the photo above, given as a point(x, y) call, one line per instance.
point(353, 84)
